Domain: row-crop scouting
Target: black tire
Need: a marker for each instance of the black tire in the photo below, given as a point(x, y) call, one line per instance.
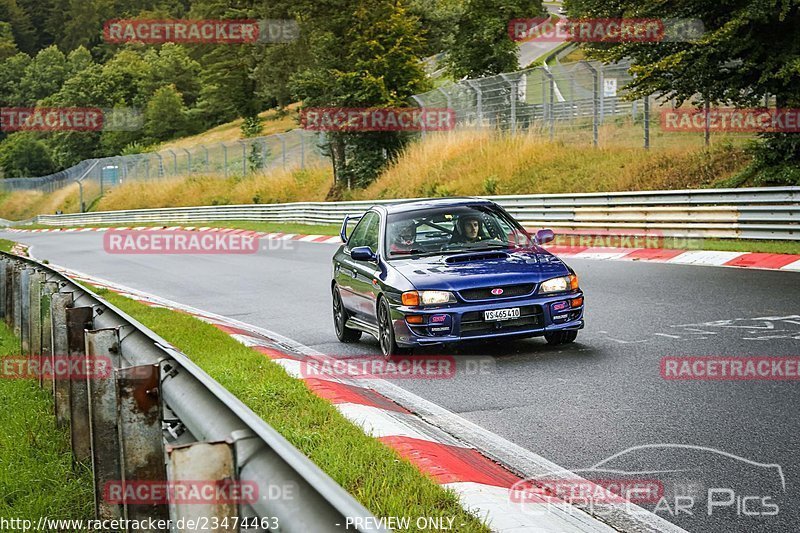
point(389, 347)
point(561, 337)
point(340, 316)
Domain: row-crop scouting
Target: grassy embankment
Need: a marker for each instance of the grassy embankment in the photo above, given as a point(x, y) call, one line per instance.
point(37, 475)
point(373, 473)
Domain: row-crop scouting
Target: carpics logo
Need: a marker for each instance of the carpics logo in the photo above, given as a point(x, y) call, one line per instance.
point(160, 241)
point(605, 30)
point(159, 31)
point(343, 119)
point(59, 367)
point(732, 120)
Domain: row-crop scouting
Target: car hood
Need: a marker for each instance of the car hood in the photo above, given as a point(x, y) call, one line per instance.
point(480, 269)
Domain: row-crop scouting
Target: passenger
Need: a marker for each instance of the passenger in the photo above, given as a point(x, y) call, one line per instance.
point(405, 236)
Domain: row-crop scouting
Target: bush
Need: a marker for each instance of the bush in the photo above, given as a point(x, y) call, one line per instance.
point(22, 155)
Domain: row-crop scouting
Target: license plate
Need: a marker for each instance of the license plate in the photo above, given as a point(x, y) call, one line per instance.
point(501, 314)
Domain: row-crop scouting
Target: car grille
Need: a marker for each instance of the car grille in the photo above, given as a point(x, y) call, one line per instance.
point(472, 323)
point(509, 291)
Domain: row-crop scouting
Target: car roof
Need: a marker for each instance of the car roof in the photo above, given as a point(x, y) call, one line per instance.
point(431, 203)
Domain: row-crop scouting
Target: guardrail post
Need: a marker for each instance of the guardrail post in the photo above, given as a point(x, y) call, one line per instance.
point(48, 289)
point(79, 319)
point(35, 306)
point(58, 311)
point(209, 462)
point(140, 434)
point(24, 297)
point(102, 392)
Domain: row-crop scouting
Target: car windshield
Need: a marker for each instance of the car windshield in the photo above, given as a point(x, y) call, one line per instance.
point(452, 230)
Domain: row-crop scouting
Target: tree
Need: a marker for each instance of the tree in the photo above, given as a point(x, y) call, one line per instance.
point(165, 115)
point(481, 44)
point(8, 47)
point(749, 50)
point(364, 54)
point(43, 76)
point(24, 34)
point(22, 155)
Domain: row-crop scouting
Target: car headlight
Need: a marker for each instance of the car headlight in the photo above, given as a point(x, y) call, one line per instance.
point(562, 284)
point(414, 298)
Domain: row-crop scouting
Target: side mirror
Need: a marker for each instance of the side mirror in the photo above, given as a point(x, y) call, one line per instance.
point(544, 235)
point(363, 253)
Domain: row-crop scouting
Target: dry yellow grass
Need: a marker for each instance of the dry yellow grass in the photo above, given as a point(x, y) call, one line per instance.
point(27, 204)
point(478, 163)
point(309, 184)
point(458, 163)
point(273, 123)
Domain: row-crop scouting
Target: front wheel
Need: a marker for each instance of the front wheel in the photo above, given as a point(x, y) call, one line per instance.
point(343, 333)
point(386, 338)
point(561, 337)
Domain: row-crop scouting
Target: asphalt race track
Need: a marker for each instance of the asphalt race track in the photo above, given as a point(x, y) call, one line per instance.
point(575, 405)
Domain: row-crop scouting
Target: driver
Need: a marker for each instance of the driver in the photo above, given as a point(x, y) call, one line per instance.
point(470, 226)
point(405, 235)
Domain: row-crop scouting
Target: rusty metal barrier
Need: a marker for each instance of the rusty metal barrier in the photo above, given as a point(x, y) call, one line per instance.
point(157, 418)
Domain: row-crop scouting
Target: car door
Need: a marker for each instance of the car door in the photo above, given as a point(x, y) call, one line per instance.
point(348, 276)
point(366, 274)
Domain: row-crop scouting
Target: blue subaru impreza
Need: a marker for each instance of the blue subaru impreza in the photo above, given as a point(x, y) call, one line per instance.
point(438, 271)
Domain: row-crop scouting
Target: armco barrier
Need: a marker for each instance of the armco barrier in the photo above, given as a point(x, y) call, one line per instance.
point(747, 213)
point(157, 416)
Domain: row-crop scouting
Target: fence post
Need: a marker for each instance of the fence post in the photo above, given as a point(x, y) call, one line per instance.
point(24, 295)
point(513, 87)
point(302, 149)
point(225, 159)
point(646, 110)
point(552, 103)
point(478, 101)
point(421, 105)
point(601, 94)
point(205, 149)
point(707, 127)
point(283, 150)
point(244, 158)
point(595, 98)
point(188, 161)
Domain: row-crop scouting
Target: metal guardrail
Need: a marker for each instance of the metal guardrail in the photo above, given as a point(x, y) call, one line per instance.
point(747, 213)
point(158, 416)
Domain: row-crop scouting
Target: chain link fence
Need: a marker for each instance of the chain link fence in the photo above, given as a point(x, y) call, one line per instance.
point(577, 102)
point(294, 149)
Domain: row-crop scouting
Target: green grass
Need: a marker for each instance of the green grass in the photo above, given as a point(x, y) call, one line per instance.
point(370, 471)
point(37, 477)
point(5, 245)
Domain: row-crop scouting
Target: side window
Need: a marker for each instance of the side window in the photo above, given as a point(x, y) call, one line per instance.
point(360, 236)
point(371, 237)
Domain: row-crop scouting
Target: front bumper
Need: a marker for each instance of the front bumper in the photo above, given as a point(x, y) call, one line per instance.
point(465, 321)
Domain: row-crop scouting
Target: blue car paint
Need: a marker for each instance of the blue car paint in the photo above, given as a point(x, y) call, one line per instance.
point(390, 278)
